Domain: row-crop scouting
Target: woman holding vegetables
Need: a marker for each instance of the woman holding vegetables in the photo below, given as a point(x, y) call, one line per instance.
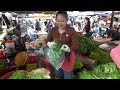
point(68, 37)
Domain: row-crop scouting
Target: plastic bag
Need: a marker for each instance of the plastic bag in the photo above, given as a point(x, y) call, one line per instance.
point(115, 55)
point(56, 58)
point(103, 46)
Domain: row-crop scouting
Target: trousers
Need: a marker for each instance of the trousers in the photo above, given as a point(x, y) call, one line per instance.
point(61, 74)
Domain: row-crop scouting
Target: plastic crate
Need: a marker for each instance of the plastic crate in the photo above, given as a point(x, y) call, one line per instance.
point(32, 59)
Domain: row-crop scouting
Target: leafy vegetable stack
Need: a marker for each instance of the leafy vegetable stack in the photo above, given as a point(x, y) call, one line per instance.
point(3, 64)
point(18, 75)
point(102, 71)
point(86, 45)
point(101, 56)
point(39, 74)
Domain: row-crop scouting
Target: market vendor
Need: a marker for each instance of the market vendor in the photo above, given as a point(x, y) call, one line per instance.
point(115, 35)
point(68, 37)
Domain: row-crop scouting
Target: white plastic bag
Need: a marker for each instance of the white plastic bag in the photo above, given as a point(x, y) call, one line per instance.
point(55, 58)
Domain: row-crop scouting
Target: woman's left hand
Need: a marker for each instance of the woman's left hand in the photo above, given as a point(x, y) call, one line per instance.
point(65, 48)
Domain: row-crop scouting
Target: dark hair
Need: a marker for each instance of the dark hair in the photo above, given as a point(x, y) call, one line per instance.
point(17, 33)
point(87, 18)
point(64, 13)
point(116, 19)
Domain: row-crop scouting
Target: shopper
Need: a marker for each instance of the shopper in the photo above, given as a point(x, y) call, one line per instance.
point(19, 42)
point(67, 36)
point(17, 27)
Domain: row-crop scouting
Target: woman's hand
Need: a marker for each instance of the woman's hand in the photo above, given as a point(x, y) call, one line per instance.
point(65, 48)
point(50, 44)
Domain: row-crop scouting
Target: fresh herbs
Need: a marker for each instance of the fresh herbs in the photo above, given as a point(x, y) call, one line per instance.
point(18, 75)
point(38, 74)
point(3, 64)
point(101, 56)
point(78, 64)
point(34, 74)
point(86, 45)
point(102, 71)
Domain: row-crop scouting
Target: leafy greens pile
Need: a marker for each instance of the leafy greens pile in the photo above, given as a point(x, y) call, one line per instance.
point(34, 74)
point(102, 71)
point(3, 64)
point(101, 56)
point(18, 75)
point(86, 45)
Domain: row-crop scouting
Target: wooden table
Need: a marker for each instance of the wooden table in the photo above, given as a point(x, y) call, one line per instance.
point(111, 46)
point(110, 43)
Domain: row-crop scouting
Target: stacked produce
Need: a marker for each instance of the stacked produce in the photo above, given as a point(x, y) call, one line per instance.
point(86, 45)
point(3, 64)
point(18, 75)
point(101, 56)
point(34, 74)
point(78, 64)
point(39, 74)
point(102, 71)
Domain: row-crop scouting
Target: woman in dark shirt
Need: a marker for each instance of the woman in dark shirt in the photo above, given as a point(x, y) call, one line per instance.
point(19, 43)
point(67, 36)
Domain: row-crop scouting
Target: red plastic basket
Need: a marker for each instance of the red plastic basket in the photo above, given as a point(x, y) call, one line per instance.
point(48, 66)
point(4, 71)
point(10, 73)
point(2, 57)
point(32, 59)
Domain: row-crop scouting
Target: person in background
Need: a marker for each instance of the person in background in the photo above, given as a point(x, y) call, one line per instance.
point(45, 22)
point(17, 27)
point(19, 42)
point(115, 24)
point(69, 22)
point(40, 22)
point(50, 25)
point(68, 37)
point(87, 27)
point(115, 35)
point(76, 27)
point(37, 25)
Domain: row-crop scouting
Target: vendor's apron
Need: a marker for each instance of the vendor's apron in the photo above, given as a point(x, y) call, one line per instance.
point(69, 65)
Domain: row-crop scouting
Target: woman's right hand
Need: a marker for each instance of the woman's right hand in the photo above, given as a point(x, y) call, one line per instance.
point(50, 44)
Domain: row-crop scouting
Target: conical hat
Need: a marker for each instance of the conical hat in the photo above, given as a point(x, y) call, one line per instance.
point(21, 58)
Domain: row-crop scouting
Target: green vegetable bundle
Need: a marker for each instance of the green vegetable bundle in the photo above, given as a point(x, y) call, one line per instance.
point(101, 56)
point(102, 71)
point(86, 45)
point(78, 64)
point(18, 75)
point(3, 64)
point(39, 74)
point(55, 55)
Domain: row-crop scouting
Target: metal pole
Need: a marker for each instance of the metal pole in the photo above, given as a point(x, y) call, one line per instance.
point(112, 18)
